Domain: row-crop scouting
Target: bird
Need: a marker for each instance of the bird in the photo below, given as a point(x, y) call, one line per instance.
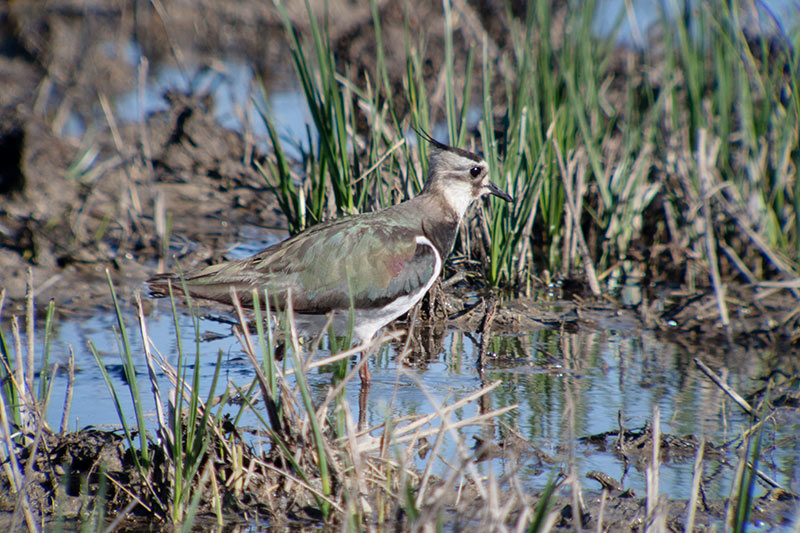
point(378, 263)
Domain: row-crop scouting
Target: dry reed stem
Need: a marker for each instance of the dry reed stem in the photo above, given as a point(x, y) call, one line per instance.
point(133, 496)
point(778, 260)
point(373, 443)
point(169, 438)
point(23, 503)
point(209, 472)
point(29, 330)
point(569, 232)
point(523, 521)
point(656, 513)
point(299, 481)
point(380, 160)
point(697, 477)
point(602, 513)
point(163, 16)
point(738, 262)
point(588, 263)
point(741, 402)
point(705, 156)
point(527, 230)
point(147, 151)
point(492, 509)
point(10, 464)
point(356, 457)
point(21, 384)
point(443, 412)
point(133, 194)
point(776, 285)
point(70, 389)
point(472, 421)
point(437, 445)
point(579, 185)
point(731, 502)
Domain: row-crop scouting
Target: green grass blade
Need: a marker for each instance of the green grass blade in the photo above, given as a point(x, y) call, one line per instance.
point(117, 405)
point(130, 375)
point(44, 373)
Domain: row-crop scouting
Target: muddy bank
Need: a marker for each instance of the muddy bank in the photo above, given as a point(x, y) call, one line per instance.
point(88, 475)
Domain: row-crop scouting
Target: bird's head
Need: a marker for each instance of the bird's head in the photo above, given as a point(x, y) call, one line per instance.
point(459, 176)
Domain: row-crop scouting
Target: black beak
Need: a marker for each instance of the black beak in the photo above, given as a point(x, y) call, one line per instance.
point(497, 191)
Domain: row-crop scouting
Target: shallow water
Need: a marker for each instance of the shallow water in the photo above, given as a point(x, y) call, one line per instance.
point(599, 372)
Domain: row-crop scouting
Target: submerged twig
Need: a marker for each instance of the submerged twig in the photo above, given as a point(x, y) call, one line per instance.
point(729, 391)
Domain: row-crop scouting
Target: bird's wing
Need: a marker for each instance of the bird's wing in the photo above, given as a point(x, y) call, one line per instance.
point(372, 262)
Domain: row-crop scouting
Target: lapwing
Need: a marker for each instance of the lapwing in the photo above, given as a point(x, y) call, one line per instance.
point(381, 263)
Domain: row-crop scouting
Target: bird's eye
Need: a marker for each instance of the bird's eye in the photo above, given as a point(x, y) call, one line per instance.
point(475, 171)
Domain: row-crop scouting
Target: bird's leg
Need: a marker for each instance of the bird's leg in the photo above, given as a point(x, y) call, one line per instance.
point(364, 371)
point(363, 393)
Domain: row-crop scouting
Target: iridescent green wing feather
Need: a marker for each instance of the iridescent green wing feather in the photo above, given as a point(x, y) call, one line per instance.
point(319, 266)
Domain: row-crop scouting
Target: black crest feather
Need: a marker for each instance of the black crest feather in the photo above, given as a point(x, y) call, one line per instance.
point(442, 146)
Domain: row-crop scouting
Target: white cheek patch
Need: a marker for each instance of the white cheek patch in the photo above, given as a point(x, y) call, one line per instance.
point(459, 195)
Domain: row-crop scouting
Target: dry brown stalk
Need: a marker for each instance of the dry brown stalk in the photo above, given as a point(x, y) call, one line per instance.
point(697, 477)
point(147, 151)
point(588, 263)
point(705, 156)
point(601, 514)
point(168, 438)
point(373, 443)
point(70, 388)
point(29, 329)
point(656, 514)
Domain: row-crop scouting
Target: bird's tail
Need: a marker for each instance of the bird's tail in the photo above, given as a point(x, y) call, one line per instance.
point(160, 283)
point(206, 284)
